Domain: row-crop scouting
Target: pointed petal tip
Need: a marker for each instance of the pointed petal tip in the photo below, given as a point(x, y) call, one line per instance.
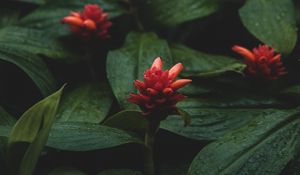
point(180, 83)
point(157, 63)
point(244, 52)
point(175, 70)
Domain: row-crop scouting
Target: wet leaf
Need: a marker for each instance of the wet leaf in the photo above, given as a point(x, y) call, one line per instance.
point(272, 22)
point(86, 103)
point(79, 136)
point(263, 147)
point(169, 13)
point(204, 65)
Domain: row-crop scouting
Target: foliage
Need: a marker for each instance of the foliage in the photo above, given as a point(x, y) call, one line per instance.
point(232, 124)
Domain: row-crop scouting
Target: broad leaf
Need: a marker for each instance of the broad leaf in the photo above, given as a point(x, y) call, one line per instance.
point(212, 118)
point(292, 91)
point(87, 103)
point(48, 17)
point(33, 128)
point(263, 147)
point(8, 16)
point(202, 64)
point(129, 63)
point(272, 22)
point(174, 12)
point(32, 65)
point(66, 171)
point(33, 41)
point(128, 120)
point(120, 172)
point(79, 136)
point(39, 2)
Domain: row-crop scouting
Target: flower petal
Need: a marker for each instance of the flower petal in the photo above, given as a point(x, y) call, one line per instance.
point(175, 71)
point(90, 24)
point(180, 83)
point(244, 52)
point(157, 63)
point(72, 20)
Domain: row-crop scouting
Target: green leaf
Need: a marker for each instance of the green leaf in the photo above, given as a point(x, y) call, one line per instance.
point(39, 2)
point(292, 90)
point(33, 127)
point(5, 118)
point(129, 63)
point(79, 136)
point(212, 118)
point(272, 22)
point(128, 120)
point(8, 16)
point(32, 65)
point(33, 41)
point(169, 13)
point(66, 171)
point(48, 17)
point(86, 103)
point(263, 147)
point(202, 64)
point(120, 172)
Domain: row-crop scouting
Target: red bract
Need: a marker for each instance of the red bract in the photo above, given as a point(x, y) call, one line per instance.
point(158, 93)
point(262, 62)
point(92, 22)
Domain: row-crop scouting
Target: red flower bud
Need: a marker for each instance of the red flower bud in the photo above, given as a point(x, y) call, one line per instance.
point(262, 62)
point(158, 93)
point(92, 22)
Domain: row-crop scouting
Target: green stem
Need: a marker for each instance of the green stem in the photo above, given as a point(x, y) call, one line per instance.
point(149, 143)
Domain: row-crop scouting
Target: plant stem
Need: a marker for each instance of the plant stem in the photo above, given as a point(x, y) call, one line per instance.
point(149, 143)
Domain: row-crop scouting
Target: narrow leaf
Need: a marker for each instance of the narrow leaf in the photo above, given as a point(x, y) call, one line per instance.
point(33, 127)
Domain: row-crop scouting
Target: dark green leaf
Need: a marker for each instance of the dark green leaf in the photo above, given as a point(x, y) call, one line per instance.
point(128, 120)
point(129, 63)
point(87, 103)
point(32, 65)
point(8, 16)
point(293, 90)
point(66, 171)
point(177, 11)
point(5, 118)
point(120, 172)
point(213, 118)
point(79, 136)
point(263, 147)
point(33, 127)
point(202, 64)
point(272, 22)
point(39, 2)
point(33, 41)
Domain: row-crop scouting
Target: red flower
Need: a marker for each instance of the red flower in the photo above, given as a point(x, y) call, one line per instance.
point(92, 22)
point(158, 93)
point(262, 62)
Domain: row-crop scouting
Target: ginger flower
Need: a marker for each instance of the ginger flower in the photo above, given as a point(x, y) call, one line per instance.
point(262, 62)
point(92, 22)
point(158, 95)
